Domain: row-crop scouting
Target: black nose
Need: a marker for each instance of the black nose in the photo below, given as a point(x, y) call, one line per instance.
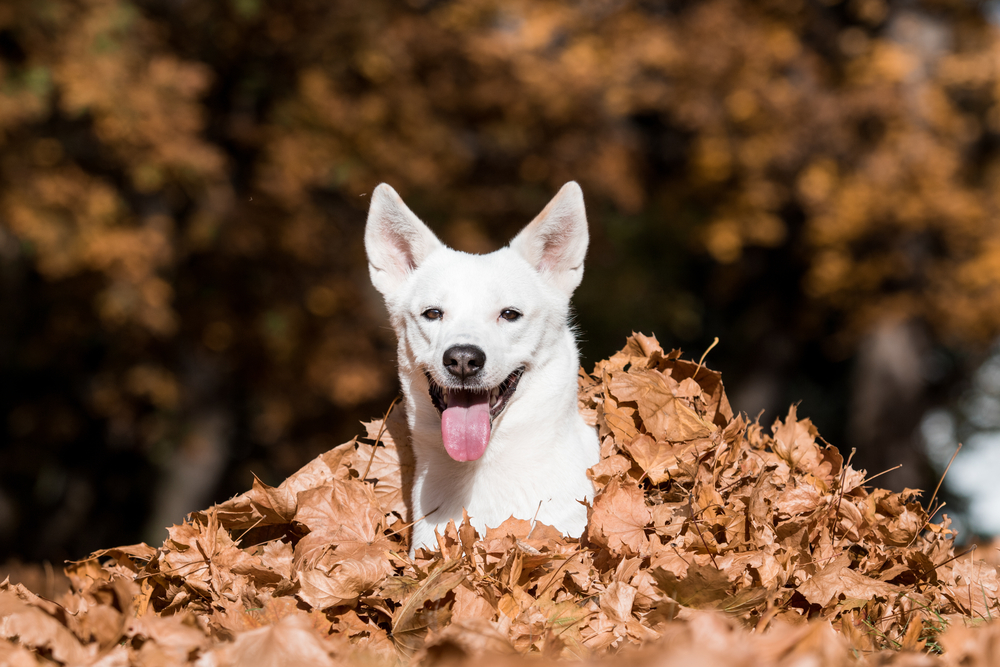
point(464, 361)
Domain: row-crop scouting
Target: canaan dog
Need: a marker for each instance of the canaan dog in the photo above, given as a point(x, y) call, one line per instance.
point(488, 366)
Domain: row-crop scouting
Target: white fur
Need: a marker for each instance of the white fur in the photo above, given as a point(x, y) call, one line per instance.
point(540, 447)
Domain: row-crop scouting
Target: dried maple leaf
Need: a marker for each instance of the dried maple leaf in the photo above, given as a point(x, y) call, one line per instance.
point(965, 645)
point(511, 527)
point(798, 499)
point(34, 628)
point(467, 637)
point(619, 517)
point(101, 623)
point(795, 441)
point(291, 642)
point(141, 552)
point(618, 420)
point(653, 457)
point(469, 604)
point(425, 609)
point(702, 587)
point(266, 505)
point(277, 557)
point(387, 464)
point(167, 639)
point(343, 515)
point(391, 475)
point(838, 579)
point(617, 600)
point(207, 559)
point(974, 588)
point(527, 631)
point(15, 655)
point(664, 413)
point(609, 467)
point(349, 579)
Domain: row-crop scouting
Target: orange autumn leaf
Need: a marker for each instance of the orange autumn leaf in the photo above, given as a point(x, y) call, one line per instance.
point(348, 579)
point(661, 405)
point(619, 517)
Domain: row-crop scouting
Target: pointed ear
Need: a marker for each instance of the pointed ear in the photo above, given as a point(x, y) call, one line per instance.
point(396, 241)
point(555, 242)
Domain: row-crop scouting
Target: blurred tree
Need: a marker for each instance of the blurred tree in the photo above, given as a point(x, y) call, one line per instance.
point(183, 185)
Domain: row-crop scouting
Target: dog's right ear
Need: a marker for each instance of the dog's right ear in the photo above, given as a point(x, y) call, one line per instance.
point(395, 239)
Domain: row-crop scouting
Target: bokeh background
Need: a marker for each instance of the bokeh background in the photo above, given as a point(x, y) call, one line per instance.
point(184, 297)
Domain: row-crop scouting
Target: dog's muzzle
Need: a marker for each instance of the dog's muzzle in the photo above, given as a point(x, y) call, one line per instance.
point(467, 414)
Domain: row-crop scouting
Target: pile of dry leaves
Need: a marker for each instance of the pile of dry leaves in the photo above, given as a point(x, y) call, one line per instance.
point(710, 539)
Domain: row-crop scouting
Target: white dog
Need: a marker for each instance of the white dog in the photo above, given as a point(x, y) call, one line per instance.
point(488, 365)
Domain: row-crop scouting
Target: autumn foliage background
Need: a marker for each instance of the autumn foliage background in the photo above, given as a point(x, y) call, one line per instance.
point(184, 297)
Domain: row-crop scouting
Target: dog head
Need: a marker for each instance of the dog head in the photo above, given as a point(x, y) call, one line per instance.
point(472, 325)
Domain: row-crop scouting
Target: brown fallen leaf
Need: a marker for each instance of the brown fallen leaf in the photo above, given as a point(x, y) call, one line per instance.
point(349, 579)
point(342, 515)
point(33, 628)
point(265, 505)
point(653, 457)
point(795, 441)
point(15, 655)
point(618, 519)
point(703, 587)
point(617, 600)
point(465, 638)
point(291, 642)
point(664, 413)
point(838, 579)
point(425, 609)
point(170, 638)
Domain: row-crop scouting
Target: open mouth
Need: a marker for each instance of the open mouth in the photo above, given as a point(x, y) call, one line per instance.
point(499, 395)
point(467, 415)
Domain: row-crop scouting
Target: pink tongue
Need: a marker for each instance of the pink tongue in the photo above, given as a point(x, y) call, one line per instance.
point(465, 424)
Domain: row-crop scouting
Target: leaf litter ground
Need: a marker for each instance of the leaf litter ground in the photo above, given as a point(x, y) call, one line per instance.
point(711, 539)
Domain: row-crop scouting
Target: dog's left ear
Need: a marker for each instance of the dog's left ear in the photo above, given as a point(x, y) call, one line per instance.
point(555, 242)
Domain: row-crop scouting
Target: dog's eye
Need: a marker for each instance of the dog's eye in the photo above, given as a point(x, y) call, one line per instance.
point(432, 314)
point(510, 314)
